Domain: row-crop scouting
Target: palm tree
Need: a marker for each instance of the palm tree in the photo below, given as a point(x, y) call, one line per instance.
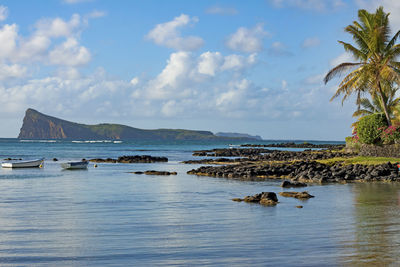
point(376, 106)
point(375, 55)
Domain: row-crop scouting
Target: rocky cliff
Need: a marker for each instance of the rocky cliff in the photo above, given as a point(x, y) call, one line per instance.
point(40, 126)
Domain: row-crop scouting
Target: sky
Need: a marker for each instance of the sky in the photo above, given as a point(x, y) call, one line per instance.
point(253, 67)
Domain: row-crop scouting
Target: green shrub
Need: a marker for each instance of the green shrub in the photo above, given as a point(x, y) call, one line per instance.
point(368, 128)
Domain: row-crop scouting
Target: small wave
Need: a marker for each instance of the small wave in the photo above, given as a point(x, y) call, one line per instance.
point(94, 141)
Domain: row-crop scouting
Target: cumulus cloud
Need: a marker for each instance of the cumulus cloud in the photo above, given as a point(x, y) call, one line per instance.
point(247, 40)
point(168, 34)
point(3, 13)
point(219, 10)
point(69, 53)
point(309, 4)
point(311, 42)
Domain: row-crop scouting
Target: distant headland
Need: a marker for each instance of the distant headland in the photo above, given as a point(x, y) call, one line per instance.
point(37, 125)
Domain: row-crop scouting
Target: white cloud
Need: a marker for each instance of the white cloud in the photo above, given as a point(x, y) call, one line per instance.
point(311, 42)
point(58, 27)
point(209, 63)
point(219, 10)
point(12, 71)
point(3, 13)
point(8, 36)
point(168, 34)
point(319, 5)
point(69, 53)
point(247, 40)
point(135, 81)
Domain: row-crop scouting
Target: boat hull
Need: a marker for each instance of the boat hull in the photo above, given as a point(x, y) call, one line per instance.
point(75, 165)
point(23, 164)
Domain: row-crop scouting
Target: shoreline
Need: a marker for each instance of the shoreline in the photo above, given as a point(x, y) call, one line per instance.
point(308, 166)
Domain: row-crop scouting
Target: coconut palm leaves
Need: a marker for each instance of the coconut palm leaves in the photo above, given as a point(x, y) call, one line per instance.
point(376, 54)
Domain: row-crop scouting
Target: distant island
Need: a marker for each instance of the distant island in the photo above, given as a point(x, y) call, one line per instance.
point(37, 125)
point(239, 135)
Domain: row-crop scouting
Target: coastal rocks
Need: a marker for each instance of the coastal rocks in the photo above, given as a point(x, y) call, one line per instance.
point(132, 159)
point(303, 171)
point(213, 161)
point(299, 145)
point(231, 152)
point(287, 184)
point(264, 198)
point(152, 172)
point(299, 195)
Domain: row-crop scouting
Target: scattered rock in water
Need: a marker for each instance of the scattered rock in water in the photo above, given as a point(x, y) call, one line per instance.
point(152, 172)
point(264, 198)
point(299, 207)
point(287, 184)
point(299, 195)
point(132, 159)
point(55, 159)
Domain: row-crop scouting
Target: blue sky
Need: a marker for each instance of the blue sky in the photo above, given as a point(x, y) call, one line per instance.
point(235, 66)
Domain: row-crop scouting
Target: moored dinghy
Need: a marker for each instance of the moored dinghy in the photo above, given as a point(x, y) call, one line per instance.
point(75, 165)
point(23, 163)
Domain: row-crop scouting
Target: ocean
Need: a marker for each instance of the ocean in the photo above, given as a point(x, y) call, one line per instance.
point(107, 216)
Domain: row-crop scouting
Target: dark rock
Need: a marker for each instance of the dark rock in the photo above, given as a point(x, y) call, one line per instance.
point(152, 172)
point(287, 184)
point(300, 195)
point(55, 159)
point(132, 159)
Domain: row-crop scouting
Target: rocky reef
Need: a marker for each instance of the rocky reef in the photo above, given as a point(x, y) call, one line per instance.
point(132, 159)
point(304, 171)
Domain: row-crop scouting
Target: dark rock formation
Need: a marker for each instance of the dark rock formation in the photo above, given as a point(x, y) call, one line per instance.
point(152, 172)
point(264, 198)
point(304, 171)
point(231, 152)
point(391, 151)
point(132, 159)
point(299, 145)
point(288, 184)
point(299, 195)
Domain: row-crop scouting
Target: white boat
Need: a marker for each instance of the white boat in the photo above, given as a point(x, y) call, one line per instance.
point(23, 163)
point(75, 165)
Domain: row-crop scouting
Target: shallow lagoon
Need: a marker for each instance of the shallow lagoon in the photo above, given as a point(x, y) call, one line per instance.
point(107, 216)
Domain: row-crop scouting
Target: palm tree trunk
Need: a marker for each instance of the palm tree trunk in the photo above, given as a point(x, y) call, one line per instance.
point(384, 104)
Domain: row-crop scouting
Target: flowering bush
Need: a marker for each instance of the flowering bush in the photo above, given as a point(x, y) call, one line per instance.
point(391, 134)
point(368, 128)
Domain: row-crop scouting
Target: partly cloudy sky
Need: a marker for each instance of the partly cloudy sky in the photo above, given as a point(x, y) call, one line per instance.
point(234, 66)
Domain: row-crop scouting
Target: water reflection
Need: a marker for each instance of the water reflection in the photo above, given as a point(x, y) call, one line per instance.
point(376, 225)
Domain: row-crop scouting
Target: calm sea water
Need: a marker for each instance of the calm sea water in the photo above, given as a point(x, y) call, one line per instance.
point(107, 216)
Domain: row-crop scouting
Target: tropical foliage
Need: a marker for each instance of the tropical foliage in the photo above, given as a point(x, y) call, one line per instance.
point(369, 128)
point(376, 69)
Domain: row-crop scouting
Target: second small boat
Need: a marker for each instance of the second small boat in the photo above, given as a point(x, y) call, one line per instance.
point(75, 165)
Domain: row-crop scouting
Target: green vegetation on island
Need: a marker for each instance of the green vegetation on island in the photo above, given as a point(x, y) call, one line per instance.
point(374, 78)
point(40, 126)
